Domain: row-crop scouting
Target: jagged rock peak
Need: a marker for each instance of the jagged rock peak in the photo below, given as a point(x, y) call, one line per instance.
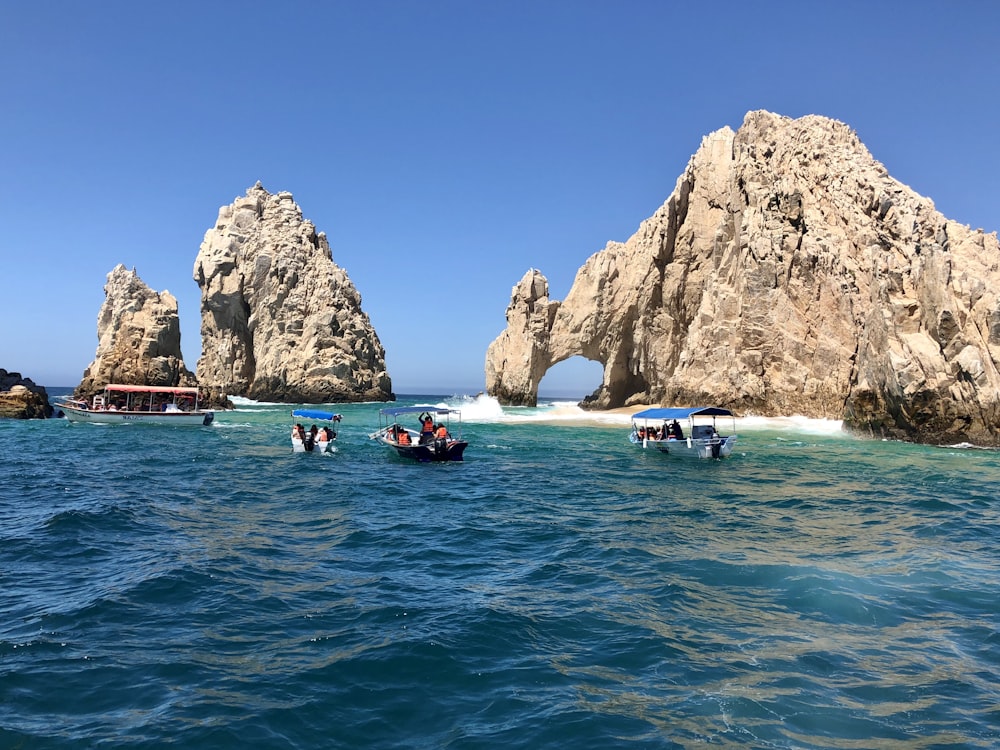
point(787, 273)
point(139, 337)
point(280, 321)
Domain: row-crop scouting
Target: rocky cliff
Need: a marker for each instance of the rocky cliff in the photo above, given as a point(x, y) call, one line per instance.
point(20, 398)
point(139, 337)
point(787, 273)
point(280, 320)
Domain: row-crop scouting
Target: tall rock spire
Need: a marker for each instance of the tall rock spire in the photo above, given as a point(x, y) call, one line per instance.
point(280, 321)
point(139, 337)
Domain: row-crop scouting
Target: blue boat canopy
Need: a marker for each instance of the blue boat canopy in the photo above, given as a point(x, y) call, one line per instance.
point(325, 416)
point(394, 411)
point(683, 412)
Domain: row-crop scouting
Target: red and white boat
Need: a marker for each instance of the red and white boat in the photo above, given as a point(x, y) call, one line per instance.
point(139, 403)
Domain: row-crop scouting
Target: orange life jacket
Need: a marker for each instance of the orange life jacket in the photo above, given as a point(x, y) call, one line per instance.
point(428, 425)
point(404, 437)
point(442, 432)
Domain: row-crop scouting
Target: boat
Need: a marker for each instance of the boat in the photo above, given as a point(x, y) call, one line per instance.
point(148, 404)
point(684, 431)
point(440, 445)
point(315, 439)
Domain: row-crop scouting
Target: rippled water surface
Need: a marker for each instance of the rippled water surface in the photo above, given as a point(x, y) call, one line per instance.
point(561, 588)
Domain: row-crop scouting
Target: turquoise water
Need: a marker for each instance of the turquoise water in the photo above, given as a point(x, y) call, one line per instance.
point(561, 588)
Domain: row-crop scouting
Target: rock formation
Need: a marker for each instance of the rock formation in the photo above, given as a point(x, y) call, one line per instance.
point(788, 273)
point(280, 320)
point(139, 338)
point(22, 399)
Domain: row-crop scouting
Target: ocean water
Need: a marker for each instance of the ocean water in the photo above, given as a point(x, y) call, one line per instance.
point(561, 588)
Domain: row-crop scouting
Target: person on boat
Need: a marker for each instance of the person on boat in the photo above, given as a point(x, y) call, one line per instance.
point(404, 437)
point(676, 431)
point(297, 432)
point(641, 433)
point(441, 432)
point(426, 428)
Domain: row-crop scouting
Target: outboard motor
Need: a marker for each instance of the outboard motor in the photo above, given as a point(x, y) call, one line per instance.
point(441, 446)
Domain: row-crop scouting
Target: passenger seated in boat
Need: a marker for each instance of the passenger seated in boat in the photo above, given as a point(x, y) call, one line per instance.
point(676, 431)
point(297, 432)
point(404, 437)
point(441, 432)
point(641, 433)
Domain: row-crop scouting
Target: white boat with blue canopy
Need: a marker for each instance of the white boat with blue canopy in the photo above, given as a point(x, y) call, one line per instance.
point(434, 441)
point(315, 439)
point(685, 431)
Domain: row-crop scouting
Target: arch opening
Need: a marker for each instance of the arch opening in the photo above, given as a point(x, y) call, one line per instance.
point(572, 379)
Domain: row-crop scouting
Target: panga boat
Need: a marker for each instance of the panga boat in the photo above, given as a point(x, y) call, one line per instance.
point(315, 439)
point(433, 442)
point(139, 403)
point(697, 437)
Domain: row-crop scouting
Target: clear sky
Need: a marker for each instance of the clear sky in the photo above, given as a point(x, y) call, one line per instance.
point(446, 144)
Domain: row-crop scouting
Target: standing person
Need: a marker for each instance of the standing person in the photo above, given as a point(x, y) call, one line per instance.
point(426, 427)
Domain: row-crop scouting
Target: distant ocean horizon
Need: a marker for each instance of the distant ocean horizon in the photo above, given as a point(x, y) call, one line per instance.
point(560, 588)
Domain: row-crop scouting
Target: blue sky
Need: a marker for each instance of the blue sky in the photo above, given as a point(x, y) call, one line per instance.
point(449, 145)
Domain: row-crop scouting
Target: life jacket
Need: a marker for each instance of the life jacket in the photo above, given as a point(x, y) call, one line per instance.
point(428, 425)
point(404, 437)
point(442, 432)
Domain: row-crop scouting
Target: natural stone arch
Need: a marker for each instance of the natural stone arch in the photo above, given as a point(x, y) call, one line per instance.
point(788, 273)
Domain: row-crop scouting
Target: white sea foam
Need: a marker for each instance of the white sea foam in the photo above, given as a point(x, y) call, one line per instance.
point(483, 408)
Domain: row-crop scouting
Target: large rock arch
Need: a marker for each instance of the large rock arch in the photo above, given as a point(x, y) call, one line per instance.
point(786, 274)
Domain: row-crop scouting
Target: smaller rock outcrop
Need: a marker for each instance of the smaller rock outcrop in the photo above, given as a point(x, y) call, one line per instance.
point(517, 361)
point(22, 399)
point(280, 321)
point(139, 338)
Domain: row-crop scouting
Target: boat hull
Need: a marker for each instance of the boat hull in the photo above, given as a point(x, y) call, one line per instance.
point(186, 418)
point(318, 447)
point(693, 447)
point(435, 450)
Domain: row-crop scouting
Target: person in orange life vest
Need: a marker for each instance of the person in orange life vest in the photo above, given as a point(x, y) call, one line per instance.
point(441, 432)
point(404, 437)
point(426, 428)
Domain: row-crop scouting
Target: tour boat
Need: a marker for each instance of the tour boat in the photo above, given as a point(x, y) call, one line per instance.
point(440, 445)
point(148, 404)
point(315, 440)
point(697, 437)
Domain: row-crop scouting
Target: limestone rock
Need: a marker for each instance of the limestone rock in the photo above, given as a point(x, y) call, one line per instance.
point(20, 398)
point(788, 273)
point(139, 338)
point(280, 320)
